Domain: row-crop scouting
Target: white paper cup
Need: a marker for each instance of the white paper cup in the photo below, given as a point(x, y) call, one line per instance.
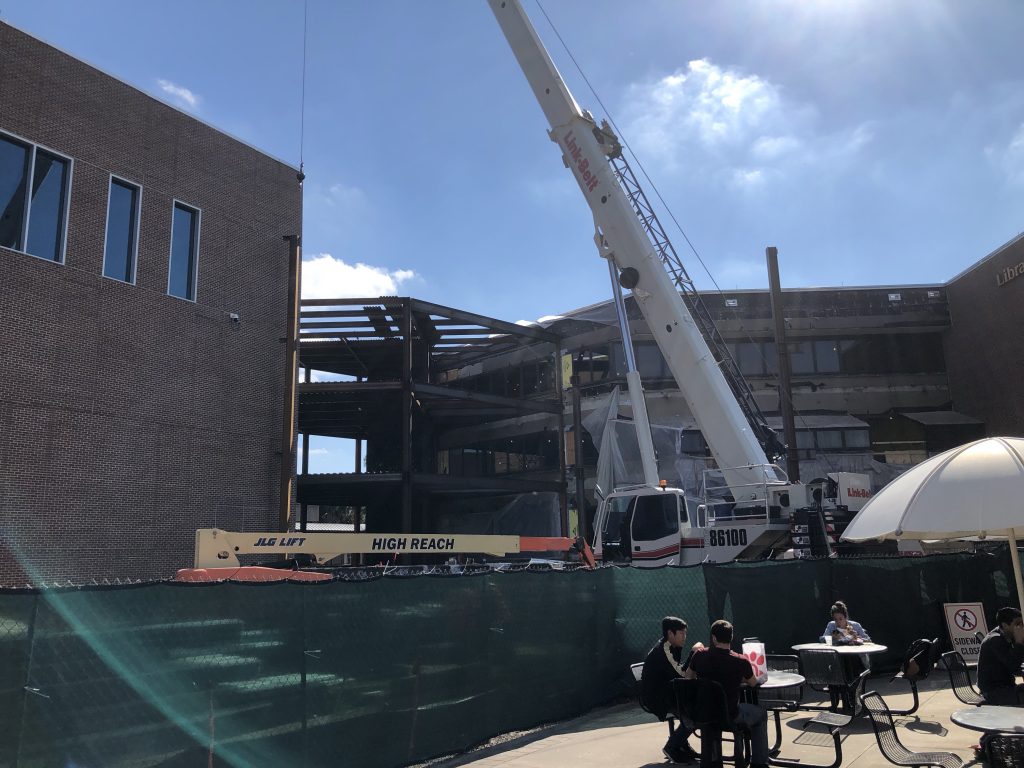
point(828, 639)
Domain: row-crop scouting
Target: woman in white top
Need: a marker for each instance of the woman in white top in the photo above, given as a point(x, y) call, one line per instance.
point(842, 630)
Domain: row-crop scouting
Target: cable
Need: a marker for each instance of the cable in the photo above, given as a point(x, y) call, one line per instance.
point(302, 108)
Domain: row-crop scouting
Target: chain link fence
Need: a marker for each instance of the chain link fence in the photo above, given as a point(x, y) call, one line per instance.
point(372, 671)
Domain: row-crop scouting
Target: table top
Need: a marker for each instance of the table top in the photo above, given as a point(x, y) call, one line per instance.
point(855, 649)
point(781, 680)
point(990, 718)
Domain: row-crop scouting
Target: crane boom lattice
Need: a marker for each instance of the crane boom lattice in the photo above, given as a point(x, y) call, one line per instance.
point(694, 303)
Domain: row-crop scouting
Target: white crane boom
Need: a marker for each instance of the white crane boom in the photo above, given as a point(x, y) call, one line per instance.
point(585, 149)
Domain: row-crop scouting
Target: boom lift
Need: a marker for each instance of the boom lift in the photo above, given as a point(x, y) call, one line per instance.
point(217, 551)
point(749, 509)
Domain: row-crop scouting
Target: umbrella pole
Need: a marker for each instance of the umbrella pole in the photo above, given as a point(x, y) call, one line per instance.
point(1015, 559)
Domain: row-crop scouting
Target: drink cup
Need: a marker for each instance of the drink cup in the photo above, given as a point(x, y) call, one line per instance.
point(828, 639)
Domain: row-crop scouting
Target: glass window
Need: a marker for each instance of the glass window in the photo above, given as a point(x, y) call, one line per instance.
point(655, 517)
point(692, 443)
point(801, 357)
point(749, 360)
point(829, 439)
point(826, 355)
point(184, 252)
point(771, 359)
point(649, 361)
point(13, 181)
point(857, 438)
point(46, 208)
point(804, 439)
point(122, 231)
point(616, 360)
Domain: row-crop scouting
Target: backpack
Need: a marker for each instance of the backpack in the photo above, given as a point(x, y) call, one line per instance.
point(917, 660)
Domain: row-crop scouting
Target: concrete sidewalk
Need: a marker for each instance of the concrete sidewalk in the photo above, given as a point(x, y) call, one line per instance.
point(624, 736)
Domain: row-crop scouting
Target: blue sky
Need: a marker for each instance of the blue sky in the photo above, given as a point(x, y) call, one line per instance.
point(870, 141)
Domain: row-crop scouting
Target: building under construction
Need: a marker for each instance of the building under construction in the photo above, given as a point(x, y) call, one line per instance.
point(447, 439)
point(467, 427)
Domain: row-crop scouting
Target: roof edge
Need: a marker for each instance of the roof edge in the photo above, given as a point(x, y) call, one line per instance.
point(152, 96)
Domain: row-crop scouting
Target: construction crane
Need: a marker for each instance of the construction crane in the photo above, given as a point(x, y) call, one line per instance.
point(749, 512)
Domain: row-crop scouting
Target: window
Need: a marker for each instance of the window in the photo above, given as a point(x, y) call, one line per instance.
point(829, 439)
point(122, 244)
point(649, 362)
point(826, 356)
point(748, 357)
point(33, 199)
point(801, 357)
point(181, 279)
point(655, 517)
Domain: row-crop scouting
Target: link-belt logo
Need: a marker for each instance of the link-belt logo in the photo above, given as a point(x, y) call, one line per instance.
point(858, 493)
point(280, 541)
point(409, 543)
point(582, 164)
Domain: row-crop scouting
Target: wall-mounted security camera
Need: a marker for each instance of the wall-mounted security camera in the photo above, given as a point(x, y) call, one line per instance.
point(235, 317)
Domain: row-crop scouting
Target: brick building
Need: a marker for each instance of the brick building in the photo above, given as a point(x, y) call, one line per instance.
point(143, 300)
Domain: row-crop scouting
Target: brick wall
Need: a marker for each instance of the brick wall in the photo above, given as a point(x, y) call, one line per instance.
point(128, 418)
point(983, 345)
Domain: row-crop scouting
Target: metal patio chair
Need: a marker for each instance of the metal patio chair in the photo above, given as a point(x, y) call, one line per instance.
point(960, 679)
point(702, 702)
point(1006, 750)
point(918, 662)
point(889, 741)
point(825, 668)
point(637, 670)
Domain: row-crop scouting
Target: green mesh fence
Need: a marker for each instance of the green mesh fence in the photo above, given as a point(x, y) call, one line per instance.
point(394, 670)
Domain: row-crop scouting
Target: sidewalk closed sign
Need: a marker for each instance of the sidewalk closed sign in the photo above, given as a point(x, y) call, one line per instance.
point(965, 621)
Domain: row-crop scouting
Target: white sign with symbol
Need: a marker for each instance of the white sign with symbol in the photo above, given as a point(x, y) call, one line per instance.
point(965, 621)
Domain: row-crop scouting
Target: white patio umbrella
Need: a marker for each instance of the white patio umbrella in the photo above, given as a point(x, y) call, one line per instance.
point(975, 489)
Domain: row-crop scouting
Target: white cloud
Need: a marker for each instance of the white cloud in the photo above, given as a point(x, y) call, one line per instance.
point(1010, 160)
point(735, 272)
point(179, 94)
point(318, 452)
point(327, 277)
point(341, 196)
point(737, 126)
point(747, 178)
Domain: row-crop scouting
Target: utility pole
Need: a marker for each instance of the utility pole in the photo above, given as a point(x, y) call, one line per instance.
point(785, 395)
point(291, 340)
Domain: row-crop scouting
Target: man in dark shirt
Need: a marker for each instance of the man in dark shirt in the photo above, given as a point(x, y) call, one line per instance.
point(1000, 658)
point(663, 665)
point(730, 670)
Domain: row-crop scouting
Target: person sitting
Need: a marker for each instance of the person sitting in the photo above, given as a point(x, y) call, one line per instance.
point(718, 662)
point(663, 665)
point(1000, 659)
point(842, 630)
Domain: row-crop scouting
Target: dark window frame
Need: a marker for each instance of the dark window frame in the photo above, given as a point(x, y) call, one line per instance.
point(136, 224)
point(193, 287)
point(65, 196)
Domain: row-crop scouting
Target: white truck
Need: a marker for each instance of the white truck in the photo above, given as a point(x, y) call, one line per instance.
point(749, 509)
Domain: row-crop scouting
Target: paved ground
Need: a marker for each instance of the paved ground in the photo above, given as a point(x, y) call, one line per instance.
point(624, 736)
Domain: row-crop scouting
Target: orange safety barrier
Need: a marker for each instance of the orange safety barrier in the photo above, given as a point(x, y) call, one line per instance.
point(557, 544)
point(248, 573)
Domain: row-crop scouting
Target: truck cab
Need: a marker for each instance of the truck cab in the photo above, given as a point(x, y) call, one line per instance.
point(648, 527)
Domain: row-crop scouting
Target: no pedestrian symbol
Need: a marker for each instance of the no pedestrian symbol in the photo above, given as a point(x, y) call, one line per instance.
point(966, 620)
